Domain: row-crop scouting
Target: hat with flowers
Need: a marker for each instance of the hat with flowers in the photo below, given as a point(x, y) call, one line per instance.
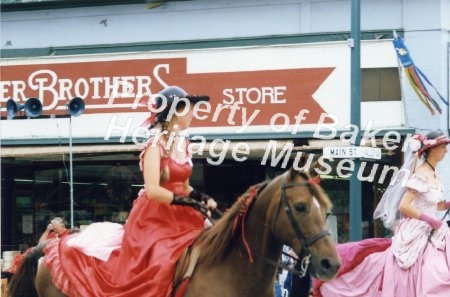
point(422, 143)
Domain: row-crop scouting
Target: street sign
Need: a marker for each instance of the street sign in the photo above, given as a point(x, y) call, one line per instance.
point(352, 152)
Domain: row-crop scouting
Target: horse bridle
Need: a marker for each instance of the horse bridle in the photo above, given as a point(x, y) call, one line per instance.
point(306, 242)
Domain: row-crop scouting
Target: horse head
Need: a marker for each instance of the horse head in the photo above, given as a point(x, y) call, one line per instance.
point(291, 210)
point(299, 221)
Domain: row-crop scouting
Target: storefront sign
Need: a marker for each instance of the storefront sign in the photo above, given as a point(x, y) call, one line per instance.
point(124, 86)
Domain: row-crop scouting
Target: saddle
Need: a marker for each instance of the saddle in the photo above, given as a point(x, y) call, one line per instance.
point(185, 269)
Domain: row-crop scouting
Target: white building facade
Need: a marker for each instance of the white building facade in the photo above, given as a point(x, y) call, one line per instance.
point(278, 73)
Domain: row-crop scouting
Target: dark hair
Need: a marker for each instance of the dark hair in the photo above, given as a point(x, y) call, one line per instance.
point(162, 116)
point(435, 134)
point(170, 94)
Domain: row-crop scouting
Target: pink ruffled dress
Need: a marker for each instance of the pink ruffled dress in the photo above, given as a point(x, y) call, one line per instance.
point(416, 264)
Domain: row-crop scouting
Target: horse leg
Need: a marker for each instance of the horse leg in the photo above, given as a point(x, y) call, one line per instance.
point(44, 283)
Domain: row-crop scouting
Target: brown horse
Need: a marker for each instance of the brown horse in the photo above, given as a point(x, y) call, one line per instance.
point(238, 256)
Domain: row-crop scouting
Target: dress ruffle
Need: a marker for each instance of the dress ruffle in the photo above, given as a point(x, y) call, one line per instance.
point(379, 275)
point(410, 241)
point(352, 254)
point(53, 264)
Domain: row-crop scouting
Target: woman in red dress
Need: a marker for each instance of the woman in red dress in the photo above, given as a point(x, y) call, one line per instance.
point(160, 225)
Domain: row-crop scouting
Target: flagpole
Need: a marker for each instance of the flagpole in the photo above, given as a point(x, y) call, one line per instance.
point(402, 87)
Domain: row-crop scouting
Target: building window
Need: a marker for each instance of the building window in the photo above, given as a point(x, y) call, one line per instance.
point(380, 84)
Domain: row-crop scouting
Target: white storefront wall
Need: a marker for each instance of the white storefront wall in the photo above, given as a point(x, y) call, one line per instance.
point(425, 25)
point(333, 95)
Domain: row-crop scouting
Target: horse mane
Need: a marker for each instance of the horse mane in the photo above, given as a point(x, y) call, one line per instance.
point(215, 242)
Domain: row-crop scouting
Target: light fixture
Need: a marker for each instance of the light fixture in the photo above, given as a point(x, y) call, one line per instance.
point(75, 107)
point(32, 107)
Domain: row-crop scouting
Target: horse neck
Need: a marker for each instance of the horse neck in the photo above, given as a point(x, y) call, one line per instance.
point(253, 278)
point(263, 246)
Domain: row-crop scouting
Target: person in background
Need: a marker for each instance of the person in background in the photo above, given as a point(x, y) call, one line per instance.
point(415, 263)
point(55, 229)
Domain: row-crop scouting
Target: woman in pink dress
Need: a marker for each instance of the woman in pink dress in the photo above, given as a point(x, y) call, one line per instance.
point(417, 263)
point(139, 259)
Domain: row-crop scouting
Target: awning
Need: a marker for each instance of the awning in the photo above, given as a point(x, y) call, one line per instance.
point(109, 152)
point(257, 149)
point(39, 151)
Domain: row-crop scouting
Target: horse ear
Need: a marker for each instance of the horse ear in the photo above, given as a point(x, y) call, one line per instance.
point(313, 172)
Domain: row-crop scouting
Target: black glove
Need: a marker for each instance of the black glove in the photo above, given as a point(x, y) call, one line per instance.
point(199, 196)
point(188, 201)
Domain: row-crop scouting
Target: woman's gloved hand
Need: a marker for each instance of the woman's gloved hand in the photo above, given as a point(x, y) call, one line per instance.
point(202, 197)
point(188, 201)
point(433, 222)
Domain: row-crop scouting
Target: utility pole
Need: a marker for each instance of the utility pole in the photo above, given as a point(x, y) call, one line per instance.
point(355, 207)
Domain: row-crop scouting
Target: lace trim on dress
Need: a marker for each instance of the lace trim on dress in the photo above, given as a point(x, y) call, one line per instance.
point(418, 182)
point(182, 162)
point(164, 157)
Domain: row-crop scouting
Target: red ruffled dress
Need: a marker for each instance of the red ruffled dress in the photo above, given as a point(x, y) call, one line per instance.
point(154, 237)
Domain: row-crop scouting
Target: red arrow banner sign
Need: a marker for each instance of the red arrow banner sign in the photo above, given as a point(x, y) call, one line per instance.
point(118, 86)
